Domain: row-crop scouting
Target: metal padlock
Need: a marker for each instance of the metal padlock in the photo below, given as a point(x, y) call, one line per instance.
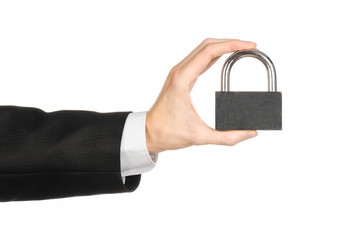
point(248, 110)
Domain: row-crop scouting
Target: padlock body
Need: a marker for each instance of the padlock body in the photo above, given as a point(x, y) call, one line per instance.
point(248, 111)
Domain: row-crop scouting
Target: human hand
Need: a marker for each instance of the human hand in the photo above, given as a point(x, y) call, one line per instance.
point(172, 122)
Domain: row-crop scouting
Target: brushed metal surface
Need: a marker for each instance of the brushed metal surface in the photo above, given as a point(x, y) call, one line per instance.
point(225, 74)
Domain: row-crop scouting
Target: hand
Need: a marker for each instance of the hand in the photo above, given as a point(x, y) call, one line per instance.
point(172, 122)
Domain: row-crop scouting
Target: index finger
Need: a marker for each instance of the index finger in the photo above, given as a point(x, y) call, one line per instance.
point(210, 51)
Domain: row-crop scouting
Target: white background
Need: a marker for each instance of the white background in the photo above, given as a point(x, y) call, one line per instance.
point(304, 182)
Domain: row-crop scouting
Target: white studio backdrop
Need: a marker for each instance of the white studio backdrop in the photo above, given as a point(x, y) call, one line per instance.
point(304, 182)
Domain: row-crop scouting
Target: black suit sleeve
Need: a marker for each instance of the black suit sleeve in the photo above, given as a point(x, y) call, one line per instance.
point(60, 154)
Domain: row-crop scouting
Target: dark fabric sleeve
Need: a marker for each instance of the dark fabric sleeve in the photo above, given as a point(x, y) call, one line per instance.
point(60, 154)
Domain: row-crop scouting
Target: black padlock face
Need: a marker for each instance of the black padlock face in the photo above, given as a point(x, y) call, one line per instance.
point(248, 110)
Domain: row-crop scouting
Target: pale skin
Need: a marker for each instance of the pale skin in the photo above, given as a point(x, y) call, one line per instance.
point(173, 122)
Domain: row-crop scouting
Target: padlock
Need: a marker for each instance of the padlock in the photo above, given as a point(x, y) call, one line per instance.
point(248, 110)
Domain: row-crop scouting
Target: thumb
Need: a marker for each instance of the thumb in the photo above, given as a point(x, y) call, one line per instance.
point(229, 137)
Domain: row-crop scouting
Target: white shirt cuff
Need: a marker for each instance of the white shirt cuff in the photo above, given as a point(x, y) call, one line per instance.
point(135, 158)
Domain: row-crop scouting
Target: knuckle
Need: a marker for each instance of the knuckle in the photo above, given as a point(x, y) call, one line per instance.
point(208, 46)
point(234, 44)
point(207, 40)
point(208, 49)
point(176, 79)
point(175, 72)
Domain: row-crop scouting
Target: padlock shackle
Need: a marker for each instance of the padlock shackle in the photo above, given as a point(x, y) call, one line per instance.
point(225, 74)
